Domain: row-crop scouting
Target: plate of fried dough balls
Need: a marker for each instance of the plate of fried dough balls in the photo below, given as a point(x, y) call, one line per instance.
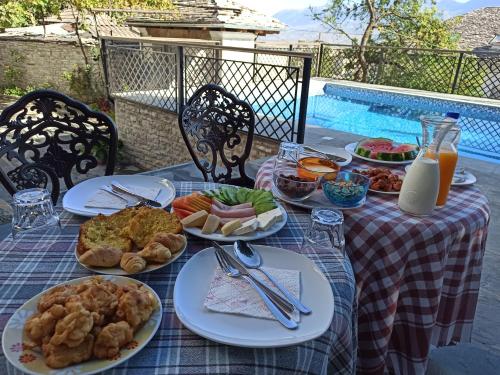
point(82, 326)
point(131, 241)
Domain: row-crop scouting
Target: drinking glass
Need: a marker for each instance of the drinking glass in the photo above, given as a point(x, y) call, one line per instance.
point(326, 231)
point(33, 216)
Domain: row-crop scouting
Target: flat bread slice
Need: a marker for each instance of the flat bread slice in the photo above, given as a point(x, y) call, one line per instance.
point(149, 221)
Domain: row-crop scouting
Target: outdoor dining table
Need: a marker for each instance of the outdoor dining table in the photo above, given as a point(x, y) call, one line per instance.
point(417, 278)
point(174, 349)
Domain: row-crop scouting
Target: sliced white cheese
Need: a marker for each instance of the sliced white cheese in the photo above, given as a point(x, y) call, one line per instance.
point(277, 213)
point(247, 227)
point(265, 221)
point(230, 227)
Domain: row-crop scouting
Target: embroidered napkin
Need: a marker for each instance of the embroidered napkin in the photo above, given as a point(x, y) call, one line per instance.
point(236, 296)
point(103, 199)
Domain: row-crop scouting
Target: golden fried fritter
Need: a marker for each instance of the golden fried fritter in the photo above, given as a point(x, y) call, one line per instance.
point(135, 306)
point(149, 221)
point(59, 356)
point(74, 327)
point(42, 325)
point(57, 296)
point(112, 338)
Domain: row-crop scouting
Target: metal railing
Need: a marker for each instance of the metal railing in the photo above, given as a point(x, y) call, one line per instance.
point(447, 71)
point(470, 73)
point(165, 74)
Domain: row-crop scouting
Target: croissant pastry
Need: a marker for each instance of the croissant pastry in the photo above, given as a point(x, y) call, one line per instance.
point(103, 256)
point(132, 263)
point(155, 252)
point(174, 242)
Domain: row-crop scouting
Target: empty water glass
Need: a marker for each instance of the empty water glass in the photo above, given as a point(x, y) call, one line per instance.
point(326, 231)
point(33, 214)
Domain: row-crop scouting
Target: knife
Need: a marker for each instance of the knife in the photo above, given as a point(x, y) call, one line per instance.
point(122, 189)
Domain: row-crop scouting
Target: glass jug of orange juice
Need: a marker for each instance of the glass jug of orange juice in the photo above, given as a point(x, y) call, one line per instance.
point(448, 157)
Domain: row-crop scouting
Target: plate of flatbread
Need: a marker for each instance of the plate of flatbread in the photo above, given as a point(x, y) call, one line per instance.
point(131, 241)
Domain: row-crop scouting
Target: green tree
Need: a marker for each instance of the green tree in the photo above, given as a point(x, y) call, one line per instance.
point(405, 23)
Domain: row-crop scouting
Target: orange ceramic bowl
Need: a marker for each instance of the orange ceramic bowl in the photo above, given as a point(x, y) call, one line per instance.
point(315, 167)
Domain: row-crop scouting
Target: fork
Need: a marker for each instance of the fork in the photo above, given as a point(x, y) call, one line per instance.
point(128, 203)
point(278, 313)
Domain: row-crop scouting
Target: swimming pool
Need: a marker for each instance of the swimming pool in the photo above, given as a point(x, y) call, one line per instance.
point(375, 113)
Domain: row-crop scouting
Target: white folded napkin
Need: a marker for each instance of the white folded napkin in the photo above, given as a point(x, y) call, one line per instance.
point(236, 296)
point(103, 199)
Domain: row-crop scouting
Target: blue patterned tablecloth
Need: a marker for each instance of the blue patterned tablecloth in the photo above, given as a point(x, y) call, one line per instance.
point(174, 349)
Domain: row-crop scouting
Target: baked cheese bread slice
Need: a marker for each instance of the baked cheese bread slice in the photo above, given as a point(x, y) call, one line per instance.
point(107, 231)
point(149, 221)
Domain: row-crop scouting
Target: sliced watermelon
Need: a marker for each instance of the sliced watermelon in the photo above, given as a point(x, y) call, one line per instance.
point(385, 149)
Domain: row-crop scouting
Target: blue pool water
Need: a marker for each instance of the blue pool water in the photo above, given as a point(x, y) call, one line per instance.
point(376, 113)
point(390, 115)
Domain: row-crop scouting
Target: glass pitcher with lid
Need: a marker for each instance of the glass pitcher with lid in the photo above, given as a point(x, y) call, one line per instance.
point(420, 188)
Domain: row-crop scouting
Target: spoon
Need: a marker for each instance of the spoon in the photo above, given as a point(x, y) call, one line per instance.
point(251, 258)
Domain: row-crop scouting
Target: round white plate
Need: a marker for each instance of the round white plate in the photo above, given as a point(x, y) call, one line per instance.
point(352, 146)
point(32, 362)
point(121, 272)
point(193, 283)
point(467, 179)
point(316, 200)
point(76, 197)
point(256, 235)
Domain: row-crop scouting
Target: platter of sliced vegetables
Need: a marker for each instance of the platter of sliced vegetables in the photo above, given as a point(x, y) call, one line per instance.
point(230, 213)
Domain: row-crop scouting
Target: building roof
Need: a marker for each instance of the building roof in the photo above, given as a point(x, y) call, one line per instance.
point(478, 28)
point(209, 14)
point(106, 25)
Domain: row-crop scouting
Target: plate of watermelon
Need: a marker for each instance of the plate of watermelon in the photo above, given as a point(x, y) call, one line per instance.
point(383, 150)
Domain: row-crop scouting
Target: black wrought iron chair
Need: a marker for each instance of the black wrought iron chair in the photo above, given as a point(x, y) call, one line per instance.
point(47, 136)
point(210, 124)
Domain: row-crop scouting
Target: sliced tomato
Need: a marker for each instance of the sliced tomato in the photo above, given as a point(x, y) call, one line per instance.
point(182, 213)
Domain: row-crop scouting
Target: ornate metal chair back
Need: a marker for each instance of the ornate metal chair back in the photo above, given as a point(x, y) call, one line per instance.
point(46, 136)
point(211, 124)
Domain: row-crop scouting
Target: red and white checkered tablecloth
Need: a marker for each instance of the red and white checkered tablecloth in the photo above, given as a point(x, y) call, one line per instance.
point(417, 278)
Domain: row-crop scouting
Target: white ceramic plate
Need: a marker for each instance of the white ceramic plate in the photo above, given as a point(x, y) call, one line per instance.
point(352, 146)
point(121, 272)
point(256, 235)
point(316, 200)
point(467, 179)
point(193, 283)
point(335, 151)
point(31, 362)
point(76, 197)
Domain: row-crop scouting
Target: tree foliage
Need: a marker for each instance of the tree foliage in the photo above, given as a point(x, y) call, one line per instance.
point(398, 23)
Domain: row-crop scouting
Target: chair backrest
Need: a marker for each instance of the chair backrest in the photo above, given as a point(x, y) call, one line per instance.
point(46, 136)
point(210, 124)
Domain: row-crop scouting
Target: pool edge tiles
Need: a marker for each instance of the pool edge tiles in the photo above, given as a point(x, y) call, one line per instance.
point(412, 100)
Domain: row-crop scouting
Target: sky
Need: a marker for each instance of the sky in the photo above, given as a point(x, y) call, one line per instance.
point(272, 6)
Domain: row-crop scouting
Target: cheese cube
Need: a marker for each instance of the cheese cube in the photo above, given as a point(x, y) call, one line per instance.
point(277, 213)
point(247, 227)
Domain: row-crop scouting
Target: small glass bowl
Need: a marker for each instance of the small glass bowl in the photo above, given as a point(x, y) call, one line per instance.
point(345, 189)
point(316, 167)
point(292, 186)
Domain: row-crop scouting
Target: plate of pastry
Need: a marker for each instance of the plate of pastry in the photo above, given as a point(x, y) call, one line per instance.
point(131, 241)
point(41, 337)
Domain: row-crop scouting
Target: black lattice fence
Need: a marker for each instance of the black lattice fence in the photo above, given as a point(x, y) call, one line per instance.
point(271, 90)
point(455, 72)
point(144, 74)
point(167, 75)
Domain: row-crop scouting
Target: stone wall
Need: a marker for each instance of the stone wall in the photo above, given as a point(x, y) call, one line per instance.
point(41, 62)
point(152, 139)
